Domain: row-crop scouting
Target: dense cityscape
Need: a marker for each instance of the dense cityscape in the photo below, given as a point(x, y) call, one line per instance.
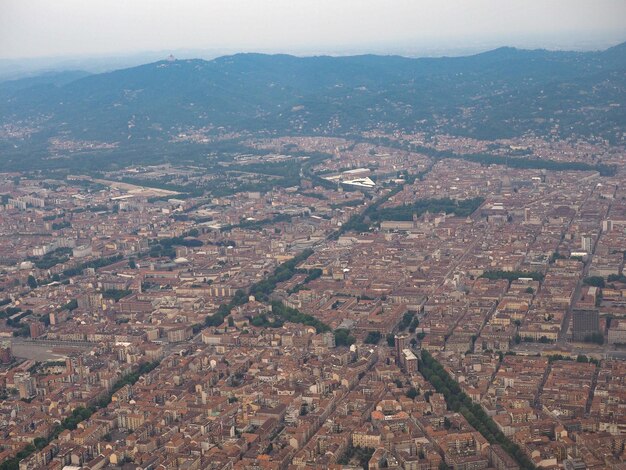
point(386, 301)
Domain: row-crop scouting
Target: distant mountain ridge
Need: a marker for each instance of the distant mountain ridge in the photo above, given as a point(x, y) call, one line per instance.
point(500, 93)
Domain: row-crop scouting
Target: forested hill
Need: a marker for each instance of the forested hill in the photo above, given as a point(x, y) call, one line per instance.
point(502, 93)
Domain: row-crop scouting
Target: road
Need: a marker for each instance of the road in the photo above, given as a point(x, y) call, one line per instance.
point(562, 338)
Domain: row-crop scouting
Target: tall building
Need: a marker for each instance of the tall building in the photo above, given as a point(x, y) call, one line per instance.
point(401, 343)
point(586, 243)
point(37, 329)
point(409, 361)
point(584, 324)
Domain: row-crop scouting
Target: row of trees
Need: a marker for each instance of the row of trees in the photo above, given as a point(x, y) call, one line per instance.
point(281, 314)
point(581, 358)
point(312, 274)
point(293, 315)
point(258, 224)
point(47, 261)
point(164, 247)
point(461, 208)
point(599, 282)
point(95, 264)
point(510, 161)
point(358, 222)
point(539, 164)
point(262, 291)
point(223, 310)
point(458, 401)
point(409, 320)
point(285, 271)
point(78, 415)
point(616, 278)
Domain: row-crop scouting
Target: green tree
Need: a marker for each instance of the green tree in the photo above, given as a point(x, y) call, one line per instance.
point(595, 281)
point(373, 337)
point(343, 337)
point(40, 442)
point(32, 282)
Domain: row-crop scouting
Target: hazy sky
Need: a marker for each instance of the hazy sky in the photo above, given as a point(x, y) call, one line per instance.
point(45, 28)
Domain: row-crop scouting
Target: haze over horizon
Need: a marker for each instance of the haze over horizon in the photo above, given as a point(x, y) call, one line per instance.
point(71, 29)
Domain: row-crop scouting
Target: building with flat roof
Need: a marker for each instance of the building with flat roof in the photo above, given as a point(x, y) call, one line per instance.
point(584, 324)
point(409, 361)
